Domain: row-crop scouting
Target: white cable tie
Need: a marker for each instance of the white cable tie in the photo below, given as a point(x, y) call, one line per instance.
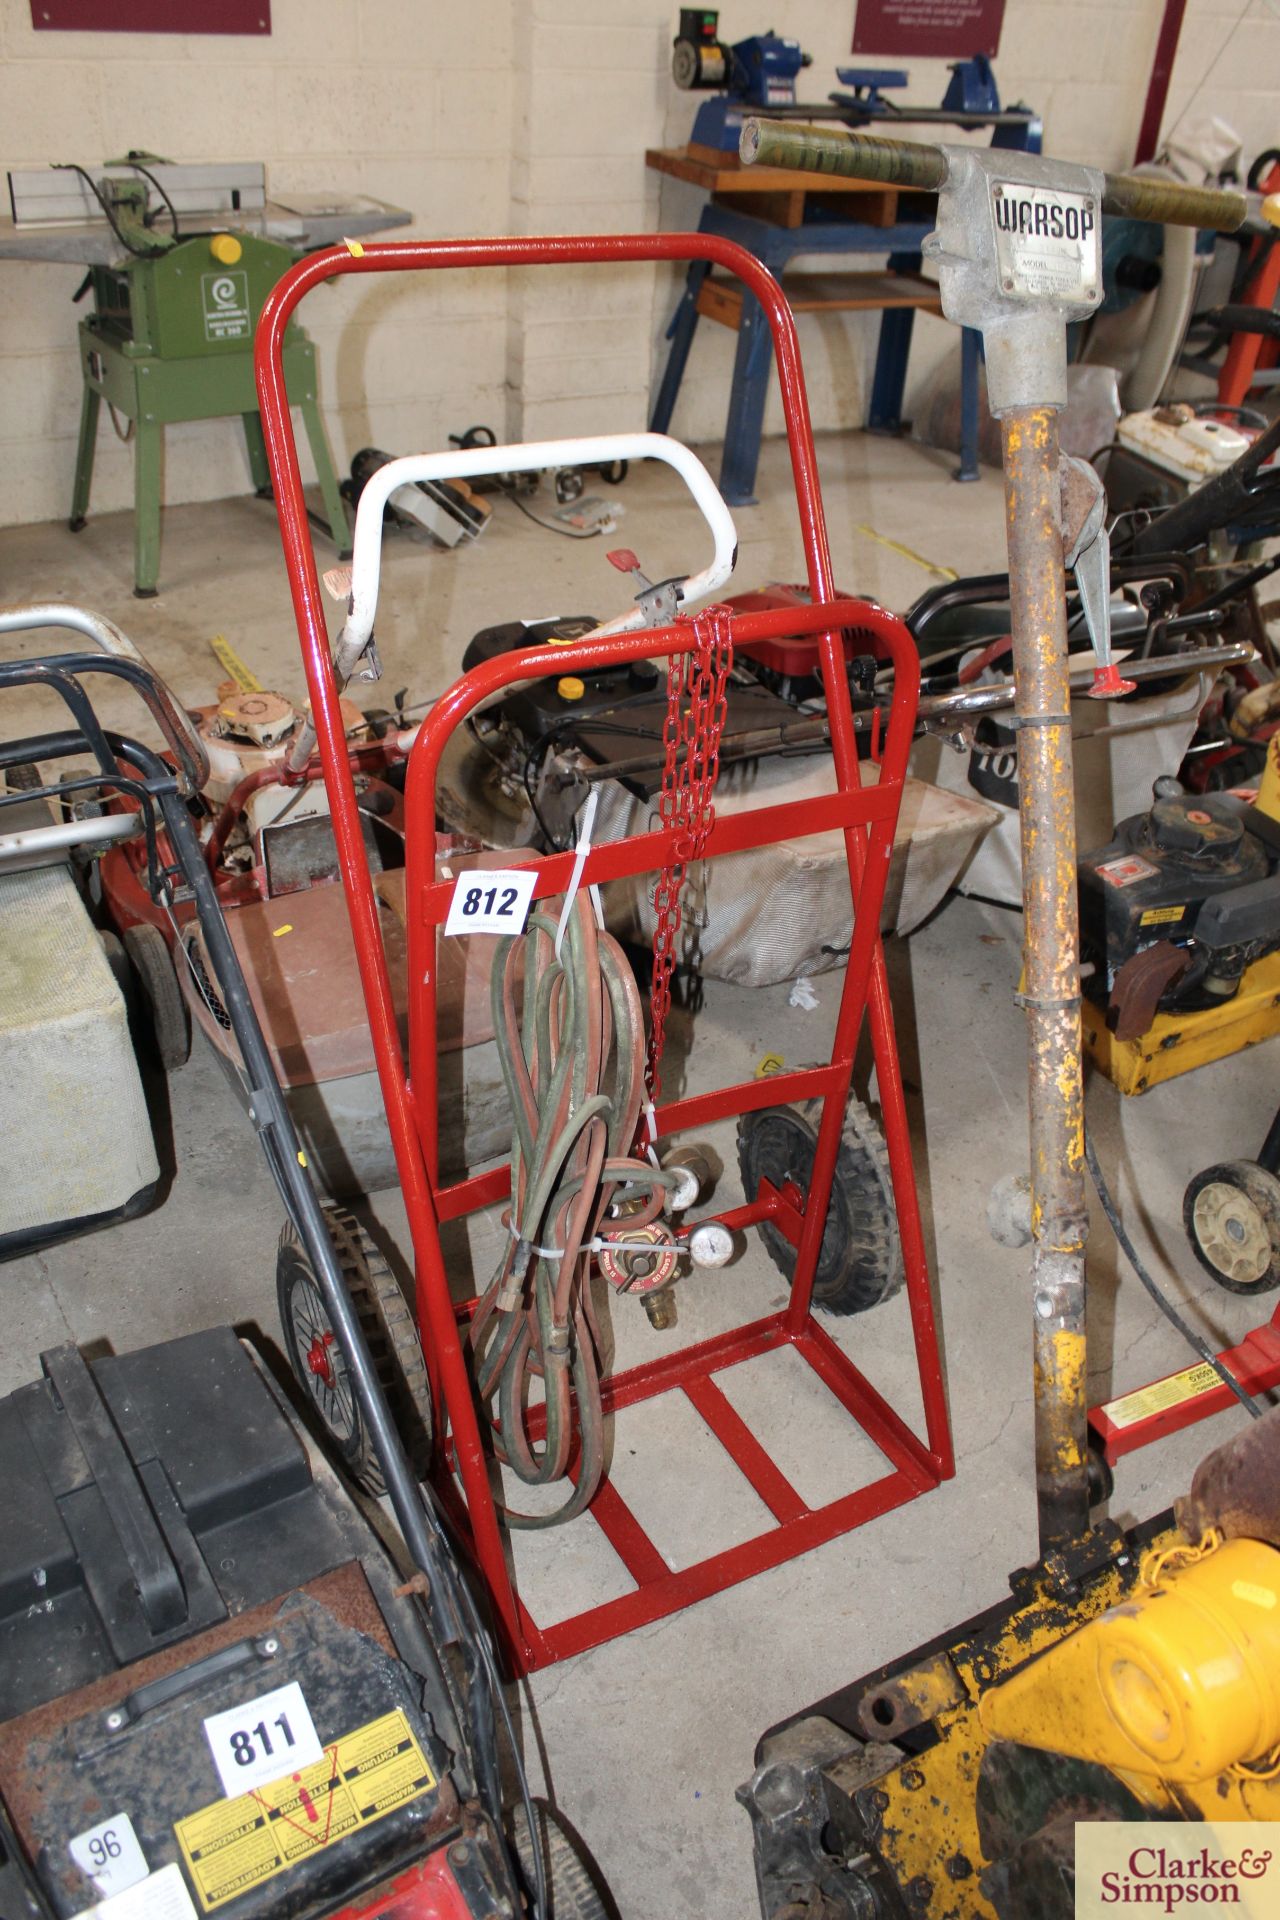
point(651, 1123)
point(543, 1253)
point(585, 821)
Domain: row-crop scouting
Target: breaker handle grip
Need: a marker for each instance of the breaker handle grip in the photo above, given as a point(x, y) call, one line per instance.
point(915, 163)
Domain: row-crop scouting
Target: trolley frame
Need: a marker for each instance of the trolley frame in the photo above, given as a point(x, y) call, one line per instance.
point(866, 815)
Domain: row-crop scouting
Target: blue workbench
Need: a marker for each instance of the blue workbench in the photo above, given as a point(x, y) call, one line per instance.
point(818, 230)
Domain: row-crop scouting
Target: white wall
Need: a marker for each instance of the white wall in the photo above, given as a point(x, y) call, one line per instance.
point(500, 116)
point(408, 100)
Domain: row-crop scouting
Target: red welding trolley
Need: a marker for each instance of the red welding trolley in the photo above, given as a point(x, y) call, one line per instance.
point(865, 814)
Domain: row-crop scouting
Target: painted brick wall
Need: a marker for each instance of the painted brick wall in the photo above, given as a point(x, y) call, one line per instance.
point(408, 100)
point(500, 115)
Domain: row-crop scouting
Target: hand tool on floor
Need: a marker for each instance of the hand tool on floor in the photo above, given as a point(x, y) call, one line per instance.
point(179, 260)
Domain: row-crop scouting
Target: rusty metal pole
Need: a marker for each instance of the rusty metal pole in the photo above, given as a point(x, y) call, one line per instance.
point(1017, 247)
point(1042, 702)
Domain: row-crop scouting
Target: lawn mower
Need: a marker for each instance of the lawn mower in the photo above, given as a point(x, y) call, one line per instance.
point(225, 1690)
point(75, 1059)
point(1126, 1676)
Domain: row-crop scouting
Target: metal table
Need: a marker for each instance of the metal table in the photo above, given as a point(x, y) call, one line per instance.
point(171, 335)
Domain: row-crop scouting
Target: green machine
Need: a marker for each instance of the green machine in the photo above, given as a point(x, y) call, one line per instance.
point(180, 259)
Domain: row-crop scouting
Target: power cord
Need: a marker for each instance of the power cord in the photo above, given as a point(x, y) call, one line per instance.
point(70, 166)
point(149, 176)
point(1166, 1306)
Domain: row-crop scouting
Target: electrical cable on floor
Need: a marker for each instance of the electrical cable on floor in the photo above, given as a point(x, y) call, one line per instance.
point(1166, 1306)
point(567, 533)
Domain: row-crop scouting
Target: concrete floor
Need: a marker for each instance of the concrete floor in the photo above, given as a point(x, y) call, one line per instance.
point(645, 1739)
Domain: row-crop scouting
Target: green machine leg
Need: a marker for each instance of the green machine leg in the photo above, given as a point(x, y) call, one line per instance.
point(257, 449)
point(89, 409)
point(148, 458)
point(335, 506)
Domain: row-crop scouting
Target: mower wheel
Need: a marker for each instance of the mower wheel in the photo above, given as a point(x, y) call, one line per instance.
point(148, 951)
point(1232, 1216)
point(320, 1365)
point(572, 1893)
point(860, 1259)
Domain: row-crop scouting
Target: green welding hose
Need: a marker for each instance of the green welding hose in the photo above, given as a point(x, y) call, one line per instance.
point(569, 1029)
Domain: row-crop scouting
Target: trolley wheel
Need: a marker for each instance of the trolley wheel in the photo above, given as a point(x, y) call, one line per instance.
point(318, 1360)
point(1232, 1216)
point(148, 951)
point(860, 1259)
point(1102, 1481)
point(572, 1892)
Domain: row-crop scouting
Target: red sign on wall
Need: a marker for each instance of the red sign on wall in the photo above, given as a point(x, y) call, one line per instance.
point(933, 29)
point(152, 16)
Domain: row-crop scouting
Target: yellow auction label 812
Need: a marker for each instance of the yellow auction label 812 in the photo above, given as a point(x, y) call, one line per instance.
point(234, 1845)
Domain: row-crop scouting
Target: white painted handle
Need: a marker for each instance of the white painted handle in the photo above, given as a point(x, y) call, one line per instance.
point(533, 456)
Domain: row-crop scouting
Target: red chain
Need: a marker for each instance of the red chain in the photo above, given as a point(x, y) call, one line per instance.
point(691, 736)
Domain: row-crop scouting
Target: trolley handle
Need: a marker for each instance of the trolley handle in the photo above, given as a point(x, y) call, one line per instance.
point(918, 164)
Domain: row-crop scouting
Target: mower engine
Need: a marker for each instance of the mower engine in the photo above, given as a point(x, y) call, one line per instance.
point(282, 833)
point(549, 742)
point(1178, 905)
point(549, 739)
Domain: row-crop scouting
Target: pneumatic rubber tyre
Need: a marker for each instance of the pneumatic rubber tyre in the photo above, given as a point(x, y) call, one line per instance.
point(320, 1365)
point(860, 1259)
point(1231, 1213)
point(572, 1893)
point(149, 954)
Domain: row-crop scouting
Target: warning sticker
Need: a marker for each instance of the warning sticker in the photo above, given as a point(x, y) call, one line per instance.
point(234, 1845)
point(1162, 1395)
point(1158, 916)
point(1126, 871)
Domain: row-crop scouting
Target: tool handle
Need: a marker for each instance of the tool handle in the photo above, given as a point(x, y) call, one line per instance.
point(914, 163)
point(858, 156)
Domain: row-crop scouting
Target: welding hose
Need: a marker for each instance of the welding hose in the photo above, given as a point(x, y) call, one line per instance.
point(573, 1064)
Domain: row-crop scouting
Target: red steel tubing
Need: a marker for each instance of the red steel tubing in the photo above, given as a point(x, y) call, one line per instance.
point(445, 1359)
